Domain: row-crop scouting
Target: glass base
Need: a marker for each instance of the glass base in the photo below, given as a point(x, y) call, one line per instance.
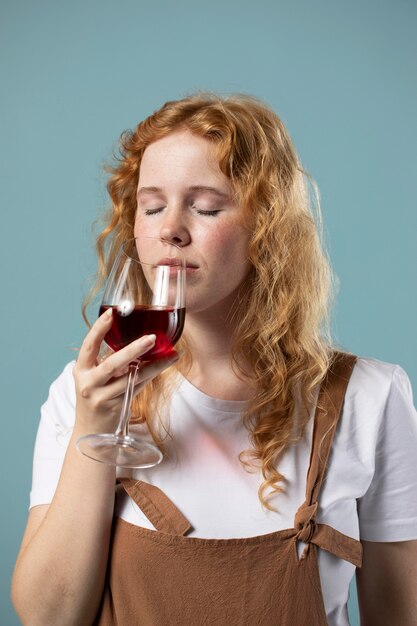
point(120, 451)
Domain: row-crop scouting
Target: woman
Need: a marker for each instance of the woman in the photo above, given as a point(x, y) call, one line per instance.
point(242, 528)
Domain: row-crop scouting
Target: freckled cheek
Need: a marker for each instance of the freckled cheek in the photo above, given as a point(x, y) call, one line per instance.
point(140, 228)
point(230, 248)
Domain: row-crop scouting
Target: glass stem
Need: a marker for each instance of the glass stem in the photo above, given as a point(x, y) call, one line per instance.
point(122, 429)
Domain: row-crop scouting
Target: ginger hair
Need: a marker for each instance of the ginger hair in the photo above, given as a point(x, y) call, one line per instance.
point(281, 316)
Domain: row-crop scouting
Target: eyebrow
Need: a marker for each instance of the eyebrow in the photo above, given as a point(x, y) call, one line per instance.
point(193, 188)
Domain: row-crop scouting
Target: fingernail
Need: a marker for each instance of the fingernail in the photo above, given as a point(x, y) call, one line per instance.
point(149, 339)
point(108, 313)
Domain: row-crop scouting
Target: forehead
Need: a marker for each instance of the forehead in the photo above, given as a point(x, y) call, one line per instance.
point(179, 151)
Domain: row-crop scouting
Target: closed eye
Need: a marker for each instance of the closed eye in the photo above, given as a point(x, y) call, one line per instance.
point(212, 212)
point(153, 211)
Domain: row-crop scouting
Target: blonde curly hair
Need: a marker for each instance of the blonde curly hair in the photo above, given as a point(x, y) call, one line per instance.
point(281, 317)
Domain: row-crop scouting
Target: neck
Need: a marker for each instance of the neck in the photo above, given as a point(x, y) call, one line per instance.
point(210, 340)
point(209, 337)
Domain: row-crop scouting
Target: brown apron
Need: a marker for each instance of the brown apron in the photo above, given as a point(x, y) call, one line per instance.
point(164, 578)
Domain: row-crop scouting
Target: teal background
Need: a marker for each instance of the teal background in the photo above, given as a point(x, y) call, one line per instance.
point(73, 75)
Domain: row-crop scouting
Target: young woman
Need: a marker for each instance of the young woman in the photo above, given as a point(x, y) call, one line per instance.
point(280, 453)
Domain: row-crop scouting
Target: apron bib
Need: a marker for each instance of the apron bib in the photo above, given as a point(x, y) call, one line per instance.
point(164, 578)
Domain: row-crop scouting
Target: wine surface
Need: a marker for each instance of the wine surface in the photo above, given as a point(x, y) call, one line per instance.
point(166, 323)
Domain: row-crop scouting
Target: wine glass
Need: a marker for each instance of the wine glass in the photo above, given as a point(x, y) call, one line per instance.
point(146, 292)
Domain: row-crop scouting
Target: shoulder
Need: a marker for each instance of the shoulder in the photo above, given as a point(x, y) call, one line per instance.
point(373, 456)
point(375, 382)
point(378, 400)
point(60, 403)
point(54, 432)
point(63, 385)
point(64, 382)
point(383, 434)
point(370, 371)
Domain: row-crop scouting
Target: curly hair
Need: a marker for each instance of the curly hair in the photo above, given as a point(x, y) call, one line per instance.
point(281, 318)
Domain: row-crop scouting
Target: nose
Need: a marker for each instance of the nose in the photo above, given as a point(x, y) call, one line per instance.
point(175, 230)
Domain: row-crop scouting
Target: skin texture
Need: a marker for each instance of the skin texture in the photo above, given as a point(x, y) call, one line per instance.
point(387, 584)
point(184, 197)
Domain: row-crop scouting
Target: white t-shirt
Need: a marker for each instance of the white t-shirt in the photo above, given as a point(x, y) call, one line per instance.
point(369, 492)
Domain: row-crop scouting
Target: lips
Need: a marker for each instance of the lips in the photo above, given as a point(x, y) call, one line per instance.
point(173, 262)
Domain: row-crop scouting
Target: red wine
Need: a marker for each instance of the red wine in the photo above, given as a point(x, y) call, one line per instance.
point(165, 322)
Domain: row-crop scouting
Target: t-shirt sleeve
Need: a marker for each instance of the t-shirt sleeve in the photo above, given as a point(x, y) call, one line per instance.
point(388, 510)
point(54, 432)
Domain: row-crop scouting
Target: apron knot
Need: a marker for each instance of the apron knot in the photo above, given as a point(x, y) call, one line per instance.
point(305, 522)
point(305, 534)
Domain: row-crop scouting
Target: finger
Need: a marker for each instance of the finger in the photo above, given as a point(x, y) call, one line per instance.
point(119, 361)
point(90, 347)
point(116, 387)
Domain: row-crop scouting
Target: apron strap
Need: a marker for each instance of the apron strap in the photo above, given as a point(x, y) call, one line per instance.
point(335, 542)
point(158, 508)
point(329, 408)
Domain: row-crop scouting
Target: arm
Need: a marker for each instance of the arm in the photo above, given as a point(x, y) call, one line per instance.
point(60, 571)
point(387, 584)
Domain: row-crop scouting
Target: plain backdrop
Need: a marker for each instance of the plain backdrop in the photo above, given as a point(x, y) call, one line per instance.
point(73, 75)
